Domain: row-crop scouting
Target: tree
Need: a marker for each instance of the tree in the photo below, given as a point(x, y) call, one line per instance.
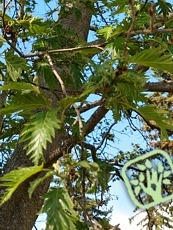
point(51, 75)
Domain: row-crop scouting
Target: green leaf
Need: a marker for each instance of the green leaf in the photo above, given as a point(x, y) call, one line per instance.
point(81, 225)
point(164, 7)
point(104, 174)
point(155, 57)
point(37, 26)
point(15, 65)
point(92, 190)
point(38, 132)
point(84, 164)
point(94, 166)
point(13, 179)
point(2, 40)
point(26, 103)
point(89, 90)
point(20, 86)
point(59, 209)
point(65, 103)
point(44, 71)
point(106, 32)
point(77, 77)
point(35, 183)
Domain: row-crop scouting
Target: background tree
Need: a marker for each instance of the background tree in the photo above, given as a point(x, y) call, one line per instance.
point(51, 76)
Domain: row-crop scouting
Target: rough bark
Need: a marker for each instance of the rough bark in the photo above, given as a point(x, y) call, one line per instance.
point(20, 212)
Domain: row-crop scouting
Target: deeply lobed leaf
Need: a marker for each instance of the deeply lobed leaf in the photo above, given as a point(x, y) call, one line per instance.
point(13, 179)
point(38, 132)
point(59, 209)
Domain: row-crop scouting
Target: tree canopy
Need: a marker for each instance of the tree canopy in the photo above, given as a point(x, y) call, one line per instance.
point(61, 73)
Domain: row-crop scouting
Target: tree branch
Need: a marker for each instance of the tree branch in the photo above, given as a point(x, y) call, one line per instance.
point(162, 86)
point(90, 106)
point(92, 149)
point(149, 31)
point(95, 119)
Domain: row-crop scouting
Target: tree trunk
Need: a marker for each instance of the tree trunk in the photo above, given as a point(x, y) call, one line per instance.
point(20, 212)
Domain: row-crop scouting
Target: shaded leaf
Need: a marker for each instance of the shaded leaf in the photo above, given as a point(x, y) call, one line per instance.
point(94, 166)
point(35, 183)
point(25, 103)
point(43, 69)
point(81, 225)
point(15, 65)
point(164, 7)
point(37, 26)
point(59, 209)
point(20, 86)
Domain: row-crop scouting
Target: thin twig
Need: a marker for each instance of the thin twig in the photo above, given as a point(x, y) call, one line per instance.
point(55, 71)
point(101, 14)
point(97, 46)
point(35, 227)
point(4, 8)
point(79, 119)
point(77, 110)
point(3, 14)
point(83, 157)
point(105, 136)
point(133, 126)
point(134, 16)
point(146, 1)
point(15, 49)
point(151, 12)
